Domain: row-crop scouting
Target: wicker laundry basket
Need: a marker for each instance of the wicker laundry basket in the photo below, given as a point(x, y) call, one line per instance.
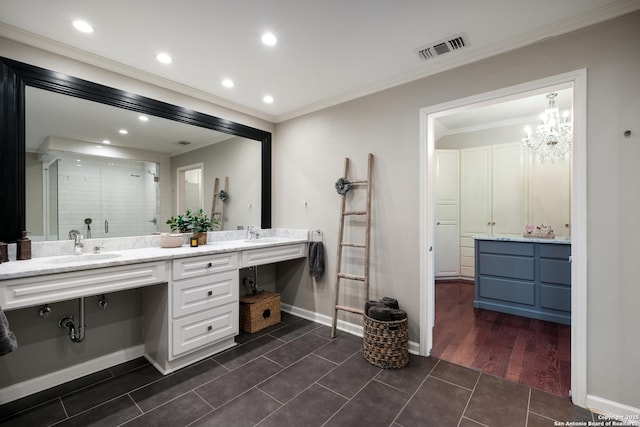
point(386, 344)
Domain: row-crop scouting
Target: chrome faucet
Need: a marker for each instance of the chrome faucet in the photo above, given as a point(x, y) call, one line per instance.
point(78, 244)
point(253, 232)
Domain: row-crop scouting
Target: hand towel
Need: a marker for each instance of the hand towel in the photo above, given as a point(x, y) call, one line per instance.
point(390, 302)
point(8, 341)
point(397, 314)
point(316, 259)
point(379, 312)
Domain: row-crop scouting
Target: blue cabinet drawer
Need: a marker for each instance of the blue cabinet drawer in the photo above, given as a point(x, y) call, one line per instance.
point(506, 290)
point(505, 248)
point(506, 266)
point(555, 271)
point(555, 250)
point(555, 297)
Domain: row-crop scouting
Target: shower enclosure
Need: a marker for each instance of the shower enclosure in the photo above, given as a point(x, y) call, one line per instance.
point(99, 197)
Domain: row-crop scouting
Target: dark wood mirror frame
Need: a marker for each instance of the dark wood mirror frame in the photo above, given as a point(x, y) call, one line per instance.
point(16, 75)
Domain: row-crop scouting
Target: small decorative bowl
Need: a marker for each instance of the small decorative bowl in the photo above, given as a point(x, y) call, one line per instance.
point(171, 240)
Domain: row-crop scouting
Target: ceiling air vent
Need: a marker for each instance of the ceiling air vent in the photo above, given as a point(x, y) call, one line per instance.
point(457, 42)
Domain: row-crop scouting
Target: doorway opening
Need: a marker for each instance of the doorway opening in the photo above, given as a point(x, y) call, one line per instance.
point(576, 81)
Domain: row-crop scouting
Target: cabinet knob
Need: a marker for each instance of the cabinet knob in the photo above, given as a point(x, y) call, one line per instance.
point(209, 293)
point(209, 328)
point(209, 265)
point(438, 223)
point(489, 223)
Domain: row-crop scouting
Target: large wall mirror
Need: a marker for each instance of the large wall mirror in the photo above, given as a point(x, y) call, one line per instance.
point(57, 173)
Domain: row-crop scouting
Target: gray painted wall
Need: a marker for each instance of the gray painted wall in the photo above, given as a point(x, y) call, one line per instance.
point(240, 160)
point(309, 150)
point(43, 347)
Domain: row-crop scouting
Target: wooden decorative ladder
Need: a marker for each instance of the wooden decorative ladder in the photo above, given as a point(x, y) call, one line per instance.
point(219, 213)
point(344, 214)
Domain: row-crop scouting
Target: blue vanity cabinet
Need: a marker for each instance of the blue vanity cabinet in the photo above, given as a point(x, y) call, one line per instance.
point(530, 279)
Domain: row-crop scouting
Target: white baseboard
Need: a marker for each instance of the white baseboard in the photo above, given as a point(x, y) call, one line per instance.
point(348, 327)
point(613, 410)
point(35, 385)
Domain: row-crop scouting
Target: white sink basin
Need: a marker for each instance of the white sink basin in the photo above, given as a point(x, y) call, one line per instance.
point(81, 258)
point(261, 240)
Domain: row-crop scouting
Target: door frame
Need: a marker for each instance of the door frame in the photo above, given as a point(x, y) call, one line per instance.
point(578, 81)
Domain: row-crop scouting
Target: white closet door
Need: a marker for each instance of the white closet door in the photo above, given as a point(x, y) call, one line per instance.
point(447, 213)
point(475, 191)
point(508, 190)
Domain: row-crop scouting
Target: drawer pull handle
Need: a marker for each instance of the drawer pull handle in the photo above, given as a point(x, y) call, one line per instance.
point(209, 293)
point(209, 328)
point(209, 265)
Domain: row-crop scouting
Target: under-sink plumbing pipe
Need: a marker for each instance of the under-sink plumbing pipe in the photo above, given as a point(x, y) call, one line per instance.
point(252, 283)
point(76, 333)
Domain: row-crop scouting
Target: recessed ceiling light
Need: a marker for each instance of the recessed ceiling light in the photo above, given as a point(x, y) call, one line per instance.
point(164, 58)
point(82, 26)
point(106, 141)
point(123, 131)
point(268, 99)
point(228, 83)
point(143, 118)
point(269, 39)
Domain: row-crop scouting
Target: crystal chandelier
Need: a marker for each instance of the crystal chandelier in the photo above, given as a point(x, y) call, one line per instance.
point(553, 137)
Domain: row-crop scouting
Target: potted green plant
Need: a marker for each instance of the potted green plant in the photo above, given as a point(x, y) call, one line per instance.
point(197, 223)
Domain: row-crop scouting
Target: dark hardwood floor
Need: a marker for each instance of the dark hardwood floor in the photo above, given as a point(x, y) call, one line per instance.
point(528, 351)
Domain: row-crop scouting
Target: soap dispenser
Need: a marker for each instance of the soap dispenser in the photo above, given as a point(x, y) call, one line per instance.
point(23, 247)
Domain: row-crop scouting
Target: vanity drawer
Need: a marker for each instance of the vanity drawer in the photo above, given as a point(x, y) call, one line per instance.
point(201, 329)
point(273, 254)
point(204, 292)
point(46, 289)
point(185, 268)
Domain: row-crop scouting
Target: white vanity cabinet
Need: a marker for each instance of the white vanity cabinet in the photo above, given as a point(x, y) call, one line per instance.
point(204, 301)
point(190, 297)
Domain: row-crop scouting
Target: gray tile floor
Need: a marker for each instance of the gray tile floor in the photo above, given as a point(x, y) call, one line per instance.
point(292, 374)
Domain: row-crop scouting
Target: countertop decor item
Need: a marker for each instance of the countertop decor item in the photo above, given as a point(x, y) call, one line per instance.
point(171, 240)
point(197, 223)
point(23, 247)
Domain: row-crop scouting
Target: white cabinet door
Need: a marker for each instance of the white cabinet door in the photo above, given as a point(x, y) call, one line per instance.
point(508, 190)
point(447, 213)
point(475, 191)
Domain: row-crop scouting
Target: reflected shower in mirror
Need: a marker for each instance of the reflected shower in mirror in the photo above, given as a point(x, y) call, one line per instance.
point(113, 172)
point(97, 196)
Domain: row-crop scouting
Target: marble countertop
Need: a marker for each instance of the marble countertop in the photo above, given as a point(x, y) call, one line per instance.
point(561, 241)
point(110, 258)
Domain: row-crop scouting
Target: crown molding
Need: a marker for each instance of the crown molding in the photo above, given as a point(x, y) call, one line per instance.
point(457, 59)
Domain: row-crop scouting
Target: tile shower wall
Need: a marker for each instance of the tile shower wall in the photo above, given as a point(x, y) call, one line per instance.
point(122, 194)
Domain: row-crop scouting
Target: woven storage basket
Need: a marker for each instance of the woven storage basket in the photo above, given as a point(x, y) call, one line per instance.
point(258, 311)
point(386, 344)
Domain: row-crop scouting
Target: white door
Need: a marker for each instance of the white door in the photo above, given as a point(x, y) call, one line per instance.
point(447, 213)
point(508, 190)
point(475, 191)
